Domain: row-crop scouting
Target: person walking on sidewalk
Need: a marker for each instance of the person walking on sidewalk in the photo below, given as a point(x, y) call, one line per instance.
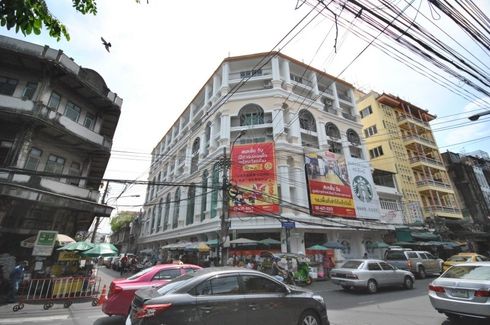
point(16, 277)
point(124, 263)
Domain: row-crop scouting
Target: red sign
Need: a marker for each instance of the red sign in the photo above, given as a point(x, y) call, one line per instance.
point(329, 187)
point(253, 179)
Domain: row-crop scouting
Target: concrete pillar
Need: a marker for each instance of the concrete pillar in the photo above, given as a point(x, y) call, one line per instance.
point(215, 84)
point(225, 128)
point(225, 78)
point(300, 182)
point(314, 84)
point(276, 73)
point(183, 204)
point(278, 125)
point(336, 103)
point(206, 94)
point(322, 135)
point(285, 182)
point(286, 74)
point(294, 129)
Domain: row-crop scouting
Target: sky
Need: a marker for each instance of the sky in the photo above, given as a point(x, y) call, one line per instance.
point(164, 51)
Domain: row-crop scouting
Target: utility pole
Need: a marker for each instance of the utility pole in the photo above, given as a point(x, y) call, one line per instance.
point(97, 218)
point(225, 222)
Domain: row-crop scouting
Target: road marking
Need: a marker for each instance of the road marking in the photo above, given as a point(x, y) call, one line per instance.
point(32, 319)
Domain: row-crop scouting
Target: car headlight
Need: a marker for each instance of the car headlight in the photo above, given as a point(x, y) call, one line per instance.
point(319, 299)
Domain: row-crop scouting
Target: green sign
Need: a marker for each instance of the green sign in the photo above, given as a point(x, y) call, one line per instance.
point(44, 243)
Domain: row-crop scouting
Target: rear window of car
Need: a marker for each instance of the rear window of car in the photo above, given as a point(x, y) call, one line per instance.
point(458, 258)
point(395, 256)
point(468, 272)
point(412, 255)
point(352, 264)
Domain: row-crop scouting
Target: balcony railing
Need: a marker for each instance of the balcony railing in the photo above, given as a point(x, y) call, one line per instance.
point(344, 96)
point(349, 116)
point(440, 208)
point(428, 182)
point(426, 160)
point(421, 139)
point(413, 119)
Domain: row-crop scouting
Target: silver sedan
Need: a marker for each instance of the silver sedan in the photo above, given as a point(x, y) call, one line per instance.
point(370, 274)
point(463, 290)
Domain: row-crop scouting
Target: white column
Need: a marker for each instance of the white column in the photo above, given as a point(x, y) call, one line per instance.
point(187, 159)
point(183, 204)
point(294, 129)
point(225, 128)
point(314, 84)
point(276, 73)
point(285, 182)
point(336, 99)
point(278, 118)
point(192, 109)
point(301, 185)
point(212, 134)
point(225, 78)
point(287, 75)
point(206, 94)
point(215, 84)
point(322, 136)
point(345, 145)
point(202, 144)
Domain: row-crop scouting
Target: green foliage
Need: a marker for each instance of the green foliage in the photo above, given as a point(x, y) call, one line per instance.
point(123, 219)
point(29, 16)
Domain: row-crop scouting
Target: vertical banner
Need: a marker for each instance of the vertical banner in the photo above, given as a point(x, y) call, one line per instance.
point(253, 179)
point(328, 185)
point(363, 190)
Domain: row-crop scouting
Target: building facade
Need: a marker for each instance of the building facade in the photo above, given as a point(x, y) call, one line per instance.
point(400, 140)
point(57, 121)
point(256, 99)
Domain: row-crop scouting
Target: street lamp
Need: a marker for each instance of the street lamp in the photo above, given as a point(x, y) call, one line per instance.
point(477, 116)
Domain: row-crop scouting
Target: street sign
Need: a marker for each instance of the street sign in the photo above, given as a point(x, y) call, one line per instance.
point(44, 243)
point(288, 224)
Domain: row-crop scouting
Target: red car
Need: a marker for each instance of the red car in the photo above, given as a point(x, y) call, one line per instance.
point(121, 291)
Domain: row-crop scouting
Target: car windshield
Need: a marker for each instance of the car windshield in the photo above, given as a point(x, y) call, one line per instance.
point(468, 272)
point(458, 258)
point(175, 283)
point(140, 273)
point(352, 264)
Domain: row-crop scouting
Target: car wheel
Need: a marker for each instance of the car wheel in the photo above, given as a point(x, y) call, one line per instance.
point(372, 286)
point(309, 318)
point(422, 273)
point(408, 283)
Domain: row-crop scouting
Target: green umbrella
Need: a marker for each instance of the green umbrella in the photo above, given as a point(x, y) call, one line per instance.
point(103, 249)
point(78, 246)
point(270, 241)
point(317, 248)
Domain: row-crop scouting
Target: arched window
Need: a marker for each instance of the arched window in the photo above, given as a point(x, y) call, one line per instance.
point(251, 114)
point(195, 154)
point(159, 214)
point(191, 201)
point(167, 212)
point(353, 137)
point(215, 188)
point(175, 220)
point(332, 131)
point(204, 196)
point(307, 121)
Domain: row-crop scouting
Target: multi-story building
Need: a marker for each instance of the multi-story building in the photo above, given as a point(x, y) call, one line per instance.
point(390, 198)
point(56, 119)
point(400, 140)
point(255, 99)
point(470, 175)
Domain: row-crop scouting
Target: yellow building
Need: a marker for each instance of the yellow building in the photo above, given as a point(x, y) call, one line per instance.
point(399, 139)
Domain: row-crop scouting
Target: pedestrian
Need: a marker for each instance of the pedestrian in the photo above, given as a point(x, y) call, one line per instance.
point(124, 263)
point(365, 256)
point(16, 277)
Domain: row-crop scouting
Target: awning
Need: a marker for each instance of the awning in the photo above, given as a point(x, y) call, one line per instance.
point(212, 242)
point(403, 235)
point(425, 235)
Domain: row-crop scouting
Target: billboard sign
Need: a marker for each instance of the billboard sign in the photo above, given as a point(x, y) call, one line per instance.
point(364, 192)
point(328, 185)
point(253, 180)
point(44, 244)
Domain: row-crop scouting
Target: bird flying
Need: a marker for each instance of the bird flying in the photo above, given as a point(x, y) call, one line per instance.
point(106, 44)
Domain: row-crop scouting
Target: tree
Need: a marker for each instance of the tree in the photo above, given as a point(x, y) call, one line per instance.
point(123, 219)
point(29, 16)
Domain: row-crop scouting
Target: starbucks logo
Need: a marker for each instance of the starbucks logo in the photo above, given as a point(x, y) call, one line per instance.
point(362, 189)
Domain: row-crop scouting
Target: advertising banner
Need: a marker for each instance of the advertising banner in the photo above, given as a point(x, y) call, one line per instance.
point(44, 243)
point(366, 199)
point(253, 180)
point(328, 185)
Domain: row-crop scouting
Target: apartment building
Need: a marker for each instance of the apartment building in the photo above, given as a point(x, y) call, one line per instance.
point(284, 109)
point(400, 140)
point(56, 119)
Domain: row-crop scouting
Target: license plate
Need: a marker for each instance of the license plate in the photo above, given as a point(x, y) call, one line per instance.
point(459, 293)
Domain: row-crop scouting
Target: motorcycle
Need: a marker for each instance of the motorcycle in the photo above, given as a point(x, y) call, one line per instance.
point(299, 275)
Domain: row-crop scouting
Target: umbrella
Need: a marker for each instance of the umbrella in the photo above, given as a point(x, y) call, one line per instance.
point(60, 238)
point(270, 241)
point(378, 244)
point(243, 241)
point(212, 242)
point(77, 246)
point(333, 244)
point(103, 249)
point(317, 248)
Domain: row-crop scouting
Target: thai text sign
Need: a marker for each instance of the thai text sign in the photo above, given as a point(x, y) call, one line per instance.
point(253, 179)
point(328, 185)
point(363, 189)
point(44, 244)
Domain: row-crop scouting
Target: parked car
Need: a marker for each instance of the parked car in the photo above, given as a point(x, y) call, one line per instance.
point(107, 261)
point(121, 291)
point(370, 274)
point(227, 295)
point(420, 263)
point(463, 290)
point(463, 258)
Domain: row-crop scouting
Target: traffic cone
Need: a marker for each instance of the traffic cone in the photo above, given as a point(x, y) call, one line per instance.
point(102, 297)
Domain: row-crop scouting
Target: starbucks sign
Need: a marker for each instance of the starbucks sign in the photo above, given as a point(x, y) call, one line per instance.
point(362, 189)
